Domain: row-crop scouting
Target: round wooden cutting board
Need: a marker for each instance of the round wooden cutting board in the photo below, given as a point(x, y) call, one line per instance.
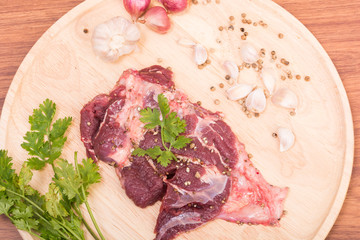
point(62, 66)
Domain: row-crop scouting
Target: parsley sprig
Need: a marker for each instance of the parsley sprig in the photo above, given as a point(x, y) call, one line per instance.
point(171, 128)
point(57, 214)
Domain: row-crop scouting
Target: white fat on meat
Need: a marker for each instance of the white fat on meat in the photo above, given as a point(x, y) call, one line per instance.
point(181, 220)
point(216, 183)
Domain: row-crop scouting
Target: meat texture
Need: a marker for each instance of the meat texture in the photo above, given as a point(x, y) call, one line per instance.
point(213, 179)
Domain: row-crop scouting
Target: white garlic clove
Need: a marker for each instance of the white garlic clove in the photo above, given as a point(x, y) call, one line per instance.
point(200, 54)
point(114, 38)
point(249, 53)
point(186, 42)
point(239, 91)
point(268, 75)
point(231, 69)
point(286, 138)
point(285, 98)
point(256, 101)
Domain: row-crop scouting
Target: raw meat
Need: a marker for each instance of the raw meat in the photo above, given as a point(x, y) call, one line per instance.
point(213, 179)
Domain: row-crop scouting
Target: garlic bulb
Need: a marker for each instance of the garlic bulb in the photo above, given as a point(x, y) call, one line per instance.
point(285, 98)
point(114, 38)
point(186, 42)
point(256, 101)
point(249, 53)
point(231, 69)
point(200, 54)
point(239, 91)
point(268, 75)
point(286, 137)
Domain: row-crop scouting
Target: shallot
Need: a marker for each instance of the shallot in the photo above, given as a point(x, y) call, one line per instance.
point(156, 18)
point(175, 6)
point(136, 7)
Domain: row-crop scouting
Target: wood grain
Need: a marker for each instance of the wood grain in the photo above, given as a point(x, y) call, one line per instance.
point(335, 28)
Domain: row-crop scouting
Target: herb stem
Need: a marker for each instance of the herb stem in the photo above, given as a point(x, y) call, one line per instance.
point(25, 198)
point(92, 216)
point(86, 202)
point(29, 231)
point(45, 220)
point(77, 210)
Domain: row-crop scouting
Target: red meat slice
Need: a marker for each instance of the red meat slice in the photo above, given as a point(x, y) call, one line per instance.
point(214, 177)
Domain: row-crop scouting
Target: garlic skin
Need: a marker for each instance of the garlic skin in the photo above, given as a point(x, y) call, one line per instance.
point(200, 54)
point(136, 7)
point(285, 98)
point(256, 101)
point(286, 138)
point(268, 76)
point(186, 42)
point(248, 53)
point(174, 6)
point(231, 69)
point(114, 38)
point(239, 91)
point(156, 19)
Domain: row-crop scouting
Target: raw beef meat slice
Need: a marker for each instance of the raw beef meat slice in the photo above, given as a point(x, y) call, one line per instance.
point(214, 177)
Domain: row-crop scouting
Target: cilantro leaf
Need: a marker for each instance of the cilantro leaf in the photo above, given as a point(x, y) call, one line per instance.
point(151, 152)
point(53, 202)
point(181, 142)
point(139, 152)
point(165, 158)
point(163, 105)
point(27, 213)
point(6, 171)
point(67, 179)
point(35, 163)
point(25, 176)
point(45, 140)
point(89, 173)
point(151, 117)
point(26, 224)
point(5, 205)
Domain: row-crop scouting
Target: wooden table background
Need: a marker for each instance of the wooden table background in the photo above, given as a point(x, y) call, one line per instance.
point(335, 23)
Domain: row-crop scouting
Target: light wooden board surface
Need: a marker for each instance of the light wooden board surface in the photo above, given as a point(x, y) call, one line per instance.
point(317, 169)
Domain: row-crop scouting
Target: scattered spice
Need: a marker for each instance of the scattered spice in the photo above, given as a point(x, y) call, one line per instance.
point(274, 135)
point(243, 37)
point(159, 60)
point(292, 113)
point(307, 78)
point(256, 114)
point(242, 29)
point(198, 103)
point(284, 61)
point(217, 101)
point(221, 85)
point(283, 77)
point(243, 15)
point(221, 28)
point(255, 24)
point(281, 36)
point(86, 30)
point(246, 34)
point(192, 145)
point(231, 27)
point(250, 155)
point(187, 170)
point(212, 88)
point(298, 77)
point(217, 1)
point(231, 18)
point(227, 77)
point(197, 175)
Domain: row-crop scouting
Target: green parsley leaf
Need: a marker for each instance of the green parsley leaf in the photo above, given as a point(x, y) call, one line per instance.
point(5, 205)
point(89, 173)
point(35, 163)
point(45, 140)
point(151, 117)
point(6, 171)
point(163, 105)
point(53, 202)
point(139, 152)
point(181, 142)
point(25, 176)
point(151, 152)
point(26, 224)
point(66, 178)
point(26, 213)
point(165, 158)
